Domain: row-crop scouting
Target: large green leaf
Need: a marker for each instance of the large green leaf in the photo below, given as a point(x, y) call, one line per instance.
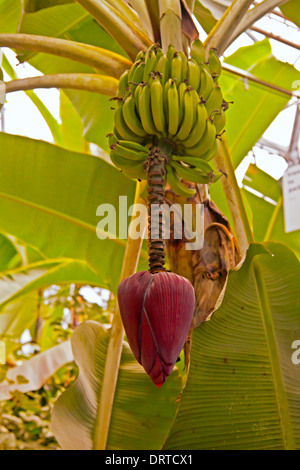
point(255, 106)
point(292, 11)
point(10, 13)
point(49, 197)
point(243, 388)
point(142, 414)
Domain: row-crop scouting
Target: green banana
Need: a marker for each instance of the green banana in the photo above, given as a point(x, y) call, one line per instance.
point(149, 65)
point(181, 91)
point(220, 120)
point(123, 84)
point(157, 105)
point(198, 163)
point(198, 51)
point(211, 153)
point(173, 108)
point(214, 101)
point(124, 163)
point(138, 74)
point(130, 117)
point(163, 68)
point(170, 53)
point(199, 127)
point(193, 74)
point(137, 93)
point(166, 104)
point(121, 127)
point(206, 84)
point(190, 174)
point(145, 111)
point(214, 62)
point(188, 119)
point(132, 146)
point(129, 153)
point(206, 142)
point(112, 139)
point(184, 66)
point(132, 70)
point(177, 68)
point(177, 187)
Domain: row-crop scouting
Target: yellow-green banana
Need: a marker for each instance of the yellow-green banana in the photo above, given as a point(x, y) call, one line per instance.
point(211, 153)
point(198, 163)
point(173, 108)
point(145, 111)
point(177, 68)
point(220, 120)
point(130, 117)
point(215, 65)
point(149, 65)
point(188, 120)
point(206, 142)
point(214, 101)
point(121, 127)
point(199, 127)
point(123, 84)
point(163, 68)
point(206, 84)
point(193, 74)
point(157, 105)
point(190, 174)
point(177, 187)
point(198, 51)
point(129, 153)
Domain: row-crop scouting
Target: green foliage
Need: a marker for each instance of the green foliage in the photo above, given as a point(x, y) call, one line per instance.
point(242, 389)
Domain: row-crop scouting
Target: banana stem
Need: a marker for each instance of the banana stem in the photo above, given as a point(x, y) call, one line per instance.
point(100, 59)
point(78, 81)
point(223, 30)
point(156, 180)
point(234, 198)
point(170, 24)
point(111, 371)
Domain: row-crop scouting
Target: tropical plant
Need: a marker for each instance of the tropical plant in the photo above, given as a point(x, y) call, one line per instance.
point(236, 386)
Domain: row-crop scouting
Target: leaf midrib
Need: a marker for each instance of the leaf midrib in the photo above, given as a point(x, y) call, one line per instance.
point(281, 398)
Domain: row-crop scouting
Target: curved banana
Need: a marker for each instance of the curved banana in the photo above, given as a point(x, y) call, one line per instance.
point(191, 174)
point(184, 66)
point(198, 163)
point(206, 141)
point(220, 121)
point(214, 101)
point(166, 105)
point(198, 51)
point(129, 154)
point(145, 111)
point(157, 105)
point(149, 65)
point(214, 62)
point(173, 108)
point(138, 74)
point(123, 84)
point(193, 74)
point(112, 139)
point(211, 153)
point(177, 68)
point(124, 163)
point(181, 91)
point(132, 146)
point(130, 117)
point(121, 127)
point(188, 120)
point(163, 68)
point(199, 127)
point(177, 187)
point(206, 84)
point(170, 53)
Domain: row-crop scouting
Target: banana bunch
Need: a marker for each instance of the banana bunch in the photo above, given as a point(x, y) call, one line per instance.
point(170, 98)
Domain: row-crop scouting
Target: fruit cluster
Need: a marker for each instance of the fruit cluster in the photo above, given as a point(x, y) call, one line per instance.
point(174, 102)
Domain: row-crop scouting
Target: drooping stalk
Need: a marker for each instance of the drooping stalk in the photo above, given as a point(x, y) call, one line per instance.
point(100, 59)
point(130, 38)
point(156, 180)
point(111, 371)
point(78, 81)
point(234, 197)
point(225, 27)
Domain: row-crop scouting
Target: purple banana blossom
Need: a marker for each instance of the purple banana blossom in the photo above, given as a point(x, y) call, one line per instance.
point(157, 311)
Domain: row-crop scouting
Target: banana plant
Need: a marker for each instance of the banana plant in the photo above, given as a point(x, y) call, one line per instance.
point(145, 60)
